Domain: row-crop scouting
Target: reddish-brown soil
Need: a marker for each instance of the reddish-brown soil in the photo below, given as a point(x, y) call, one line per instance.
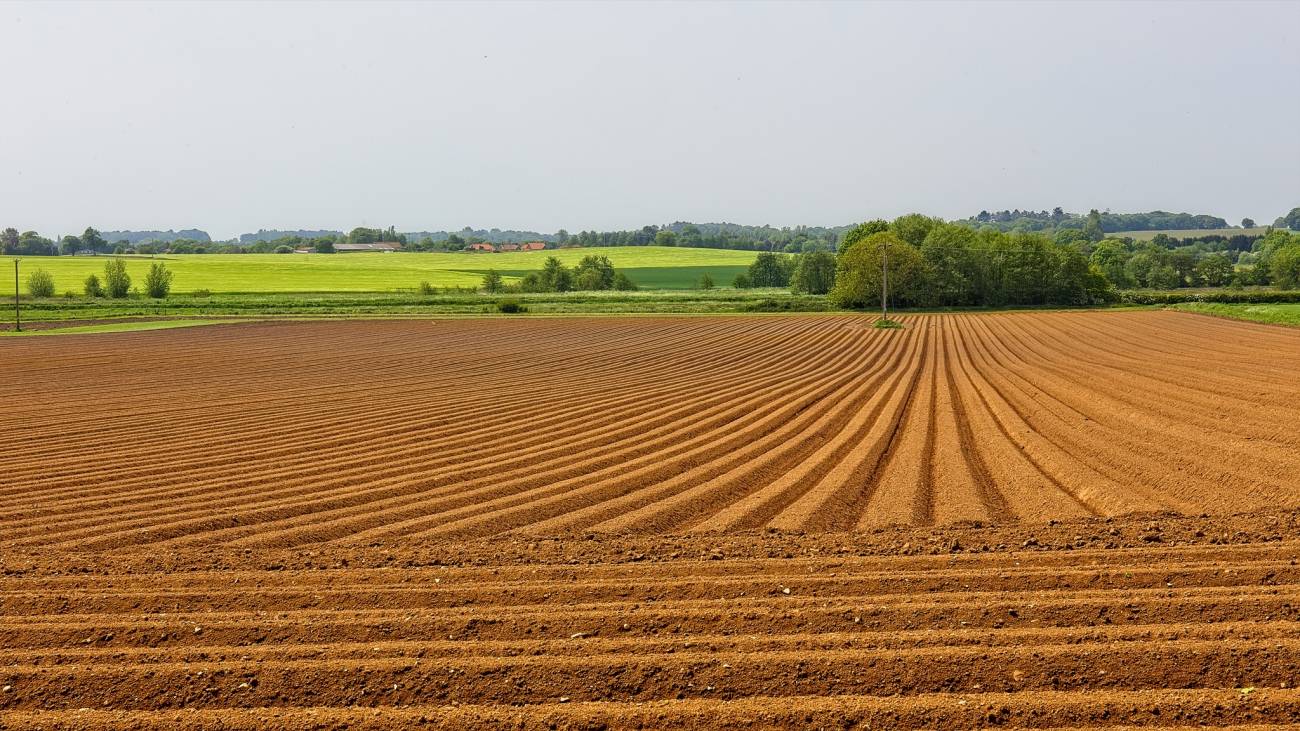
point(1024, 520)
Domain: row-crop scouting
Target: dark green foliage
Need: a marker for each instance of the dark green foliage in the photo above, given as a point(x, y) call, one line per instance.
point(883, 323)
point(858, 274)
point(770, 270)
point(860, 232)
point(117, 283)
point(492, 282)
point(1292, 219)
point(706, 282)
point(511, 307)
point(93, 287)
point(284, 249)
point(913, 228)
point(623, 283)
point(814, 273)
point(742, 281)
point(555, 277)
point(158, 282)
point(427, 289)
point(593, 273)
point(324, 246)
point(40, 283)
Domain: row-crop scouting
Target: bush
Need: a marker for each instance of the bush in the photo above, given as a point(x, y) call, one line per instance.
point(158, 282)
point(282, 249)
point(511, 307)
point(807, 304)
point(117, 283)
point(40, 283)
point(427, 289)
point(883, 323)
point(492, 282)
point(1223, 296)
point(93, 287)
point(201, 293)
point(623, 283)
point(742, 281)
point(706, 282)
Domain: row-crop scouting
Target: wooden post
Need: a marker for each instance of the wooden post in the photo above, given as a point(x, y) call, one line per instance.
point(18, 318)
point(884, 281)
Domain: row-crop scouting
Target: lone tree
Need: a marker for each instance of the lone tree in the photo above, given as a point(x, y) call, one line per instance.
point(706, 282)
point(858, 273)
point(93, 287)
point(1248, 223)
point(91, 239)
point(158, 282)
point(492, 282)
point(117, 283)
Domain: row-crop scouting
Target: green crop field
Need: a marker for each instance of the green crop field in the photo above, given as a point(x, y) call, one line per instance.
point(651, 267)
point(1191, 233)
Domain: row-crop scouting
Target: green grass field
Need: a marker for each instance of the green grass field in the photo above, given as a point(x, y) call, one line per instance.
point(651, 267)
point(1281, 314)
point(1192, 233)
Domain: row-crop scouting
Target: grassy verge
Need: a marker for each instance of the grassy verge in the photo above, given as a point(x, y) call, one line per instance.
point(1279, 314)
point(113, 327)
point(717, 301)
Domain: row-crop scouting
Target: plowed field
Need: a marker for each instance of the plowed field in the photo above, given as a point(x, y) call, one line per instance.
point(1036, 520)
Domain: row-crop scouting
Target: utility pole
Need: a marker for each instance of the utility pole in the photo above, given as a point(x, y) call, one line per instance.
point(18, 318)
point(884, 280)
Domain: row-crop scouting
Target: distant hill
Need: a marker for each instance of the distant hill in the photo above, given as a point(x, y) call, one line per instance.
point(491, 235)
point(273, 234)
point(168, 236)
point(1018, 220)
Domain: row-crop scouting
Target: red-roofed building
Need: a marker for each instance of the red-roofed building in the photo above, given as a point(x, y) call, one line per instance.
point(532, 246)
point(480, 247)
point(509, 247)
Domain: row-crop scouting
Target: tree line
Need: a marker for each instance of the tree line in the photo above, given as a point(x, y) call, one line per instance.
point(592, 274)
point(116, 283)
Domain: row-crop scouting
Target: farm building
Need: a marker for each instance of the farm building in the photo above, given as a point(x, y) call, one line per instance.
point(532, 246)
point(509, 247)
point(366, 247)
point(480, 247)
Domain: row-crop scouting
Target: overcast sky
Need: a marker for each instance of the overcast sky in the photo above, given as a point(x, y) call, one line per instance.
point(233, 117)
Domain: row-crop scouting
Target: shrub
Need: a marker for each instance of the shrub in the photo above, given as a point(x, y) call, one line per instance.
point(117, 283)
point(742, 281)
point(887, 324)
point(40, 283)
point(706, 282)
point(511, 307)
point(427, 289)
point(623, 283)
point(282, 249)
point(158, 282)
point(201, 293)
point(492, 282)
point(93, 287)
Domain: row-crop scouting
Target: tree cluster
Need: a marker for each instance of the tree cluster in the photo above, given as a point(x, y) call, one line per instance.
point(593, 273)
point(930, 263)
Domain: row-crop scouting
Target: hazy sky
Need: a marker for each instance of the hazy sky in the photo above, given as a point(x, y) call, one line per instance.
point(233, 117)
